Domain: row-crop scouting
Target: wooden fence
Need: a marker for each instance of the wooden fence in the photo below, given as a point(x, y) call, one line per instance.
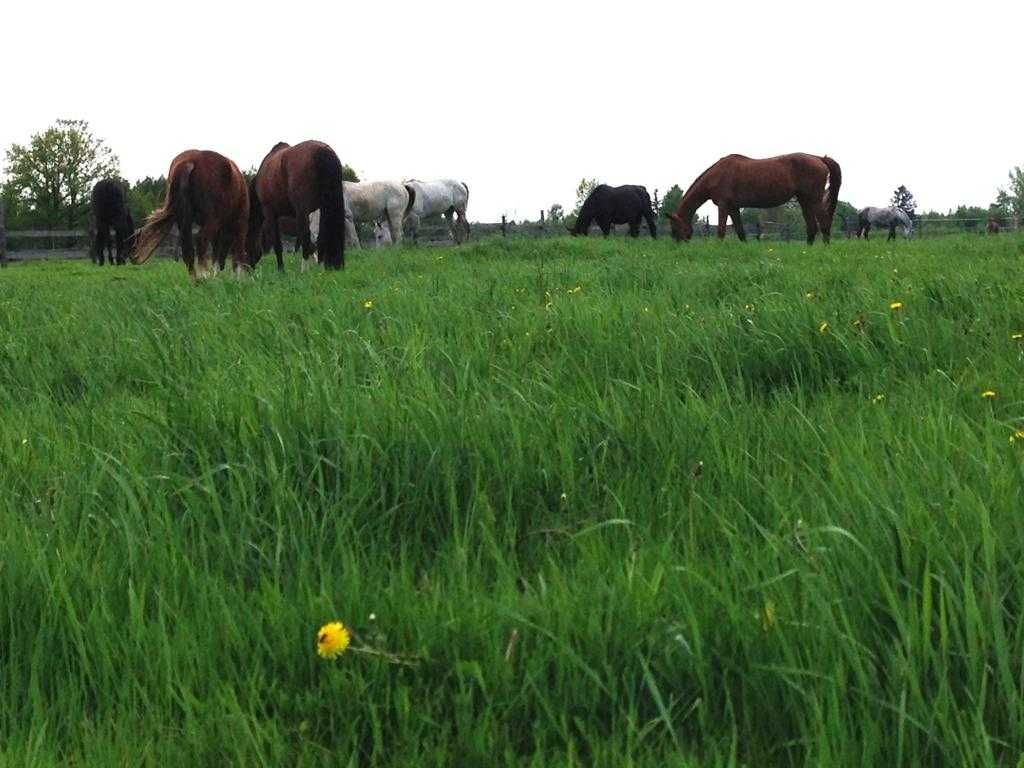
point(60, 244)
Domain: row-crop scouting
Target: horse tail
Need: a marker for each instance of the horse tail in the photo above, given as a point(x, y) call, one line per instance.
point(177, 209)
point(835, 179)
point(331, 244)
point(412, 199)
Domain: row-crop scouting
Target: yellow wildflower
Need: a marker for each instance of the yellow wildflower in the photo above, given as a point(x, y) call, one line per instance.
point(748, 307)
point(368, 304)
point(1017, 436)
point(809, 295)
point(988, 394)
point(1017, 336)
point(332, 640)
point(896, 305)
point(823, 328)
point(878, 398)
point(768, 615)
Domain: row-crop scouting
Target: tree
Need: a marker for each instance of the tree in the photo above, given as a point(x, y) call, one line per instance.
point(55, 173)
point(556, 213)
point(671, 201)
point(583, 190)
point(348, 173)
point(145, 196)
point(1013, 198)
point(903, 199)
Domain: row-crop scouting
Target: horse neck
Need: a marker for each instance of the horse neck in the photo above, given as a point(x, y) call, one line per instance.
point(694, 198)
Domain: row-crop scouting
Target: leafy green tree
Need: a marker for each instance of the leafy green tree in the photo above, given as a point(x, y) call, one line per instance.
point(670, 201)
point(145, 196)
point(348, 173)
point(583, 190)
point(556, 213)
point(1013, 197)
point(903, 198)
point(54, 174)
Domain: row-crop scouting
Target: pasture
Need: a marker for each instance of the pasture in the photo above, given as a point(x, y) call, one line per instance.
point(584, 503)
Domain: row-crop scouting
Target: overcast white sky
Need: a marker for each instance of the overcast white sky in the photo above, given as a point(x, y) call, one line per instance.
point(522, 99)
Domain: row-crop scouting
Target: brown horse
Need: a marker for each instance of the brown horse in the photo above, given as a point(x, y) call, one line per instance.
point(207, 189)
point(736, 182)
point(293, 182)
point(993, 226)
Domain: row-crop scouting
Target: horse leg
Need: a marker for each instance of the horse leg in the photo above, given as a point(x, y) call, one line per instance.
point(274, 235)
point(606, 226)
point(351, 233)
point(463, 222)
point(395, 226)
point(220, 248)
point(825, 224)
point(204, 268)
point(723, 219)
point(651, 225)
point(737, 223)
point(449, 216)
point(97, 247)
point(892, 232)
point(302, 235)
point(811, 221)
point(413, 222)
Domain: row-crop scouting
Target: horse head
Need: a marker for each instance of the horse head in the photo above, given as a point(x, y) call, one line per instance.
point(682, 230)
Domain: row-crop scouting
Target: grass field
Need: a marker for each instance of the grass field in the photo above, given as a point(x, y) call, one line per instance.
point(584, 503)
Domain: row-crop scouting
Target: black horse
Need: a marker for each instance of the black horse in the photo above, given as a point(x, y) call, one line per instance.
point(110, 211)
point(616, 205)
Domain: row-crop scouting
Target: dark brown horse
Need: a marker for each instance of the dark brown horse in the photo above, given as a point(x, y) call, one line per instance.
point(293, 182)
point(207, 189)
point(736, 182)
point(110, 211)
point(993, 226)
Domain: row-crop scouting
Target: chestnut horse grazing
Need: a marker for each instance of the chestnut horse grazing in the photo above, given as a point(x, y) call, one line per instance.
point(992, 227)
point(207, 189)
point(293, 182)
point(736, 182)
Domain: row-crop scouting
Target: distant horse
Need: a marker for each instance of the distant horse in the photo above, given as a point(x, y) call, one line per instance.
point(993, 226)
point(110, 211)
point(616, 205)
point(446, 197)
point(890, 218)
point(737, 181)
point(294, 182)
point(381, 231)
point(377, 201)
point(207, 189)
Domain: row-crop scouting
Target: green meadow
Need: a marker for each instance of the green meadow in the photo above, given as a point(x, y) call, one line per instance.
point(581, 502)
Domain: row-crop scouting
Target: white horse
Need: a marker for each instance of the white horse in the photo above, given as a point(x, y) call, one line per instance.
point(444, 196)
point(889, 218)
point(373, 202)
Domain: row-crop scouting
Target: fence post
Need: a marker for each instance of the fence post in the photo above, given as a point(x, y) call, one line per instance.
point(504, 226)
point(3, 237)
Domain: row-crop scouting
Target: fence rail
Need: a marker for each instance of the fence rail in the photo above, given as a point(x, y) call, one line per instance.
point(74, 243)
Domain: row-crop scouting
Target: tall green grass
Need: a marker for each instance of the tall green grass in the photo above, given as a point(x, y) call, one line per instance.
point(611, 503)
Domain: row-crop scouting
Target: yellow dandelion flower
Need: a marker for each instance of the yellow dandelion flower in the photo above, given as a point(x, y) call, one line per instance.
point(878, 398)
point(1017, 436)
point(809, 295)
point(988, 394)
point(768, 615)
point(896, 305)
point(748, 307)
point(647, 309)
point(332, 640)
point(368, 304)
point(823, 328)
point(1017, 336)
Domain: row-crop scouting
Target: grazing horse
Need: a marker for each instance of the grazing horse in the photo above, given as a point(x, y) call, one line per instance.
point(207, 189)
point(737, 181)
point(446, 197)
point(381, 230)
point(377, 201)
point(110, 211)
point(993, 226)
point(616, 205)
point(294, 182)
point(890, 218)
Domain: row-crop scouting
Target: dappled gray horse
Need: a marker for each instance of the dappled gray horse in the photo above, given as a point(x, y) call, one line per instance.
point(446, 197)
point(890, 218)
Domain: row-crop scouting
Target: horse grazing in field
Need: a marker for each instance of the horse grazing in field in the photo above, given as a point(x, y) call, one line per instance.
point(379, 202)
point(381, 230)
point(207, 189)
point(616, 205)
point(993, 226)
point(110, 211)
point(294, 182)
point(890, 218)
point(737, 181)
point(445, 196)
